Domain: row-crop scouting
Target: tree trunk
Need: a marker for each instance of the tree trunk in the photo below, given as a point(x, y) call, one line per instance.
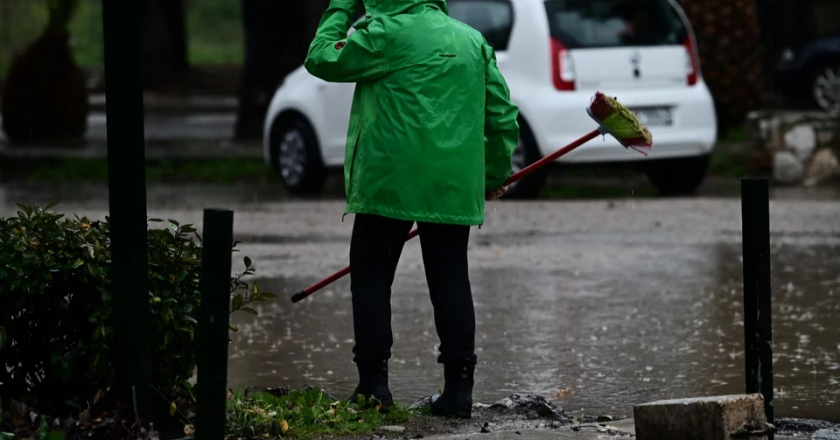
point(729, 43)
point(277, 37)
point(164, 42)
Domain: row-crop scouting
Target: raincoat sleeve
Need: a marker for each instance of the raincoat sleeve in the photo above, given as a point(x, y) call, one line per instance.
point(501, 129)
point(334, 57)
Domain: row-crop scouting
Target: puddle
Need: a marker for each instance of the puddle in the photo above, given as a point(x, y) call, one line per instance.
point(665, 322)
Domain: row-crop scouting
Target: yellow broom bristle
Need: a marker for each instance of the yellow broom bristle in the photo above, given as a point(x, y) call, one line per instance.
point(620, 121)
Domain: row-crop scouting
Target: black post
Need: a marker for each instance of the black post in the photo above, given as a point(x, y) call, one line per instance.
point(758, 325)
point(127, 199)
point(213, 323)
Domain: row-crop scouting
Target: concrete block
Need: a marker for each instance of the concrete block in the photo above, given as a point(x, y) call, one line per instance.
point(703, 418)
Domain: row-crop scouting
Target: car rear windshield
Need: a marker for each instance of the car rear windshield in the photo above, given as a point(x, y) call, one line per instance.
point(614, 23)
point(493, 18)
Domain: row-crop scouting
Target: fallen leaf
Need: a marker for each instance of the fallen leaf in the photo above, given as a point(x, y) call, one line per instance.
point(189, 430)
point(361, 420)
point(331, 412)
point(272, 413)
point(259, 411)
point(99, 393)
point(563, 392)
point(497, 252)
point(284, 426)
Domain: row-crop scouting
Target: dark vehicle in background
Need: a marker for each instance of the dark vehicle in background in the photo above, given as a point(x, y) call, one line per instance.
point(810, 70)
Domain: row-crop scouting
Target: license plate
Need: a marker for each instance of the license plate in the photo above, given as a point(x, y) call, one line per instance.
point(654, 116)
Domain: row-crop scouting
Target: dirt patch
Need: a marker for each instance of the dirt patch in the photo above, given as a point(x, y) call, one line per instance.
point(517, 412)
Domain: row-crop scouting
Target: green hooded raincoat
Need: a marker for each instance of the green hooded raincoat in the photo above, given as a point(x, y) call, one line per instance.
point(432, 127)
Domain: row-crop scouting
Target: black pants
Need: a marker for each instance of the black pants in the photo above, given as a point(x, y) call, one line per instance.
point(374, 253)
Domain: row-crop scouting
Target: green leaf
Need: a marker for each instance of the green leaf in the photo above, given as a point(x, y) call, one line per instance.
point(44, 430)
point(233, 327)
point(7, 436)
point(256, 288)
point(55, 435)
point(78, 263)
point(156, 220)
point(174, 222)
point(172, 408)
point(236, 304)
point(248, 310)
point(307, 412)
point(51, 205)
point(247, 262)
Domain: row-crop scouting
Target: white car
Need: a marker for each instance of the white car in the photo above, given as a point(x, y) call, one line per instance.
point(555, 54)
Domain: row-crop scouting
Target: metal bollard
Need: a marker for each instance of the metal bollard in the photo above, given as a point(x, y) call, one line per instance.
point(758, 325)
point(127, 201)
point(213, 324)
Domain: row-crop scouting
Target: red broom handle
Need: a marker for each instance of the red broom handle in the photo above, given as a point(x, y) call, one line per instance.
point(514, 178)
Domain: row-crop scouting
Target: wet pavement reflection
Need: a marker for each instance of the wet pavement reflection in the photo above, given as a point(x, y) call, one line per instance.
point(662, 322)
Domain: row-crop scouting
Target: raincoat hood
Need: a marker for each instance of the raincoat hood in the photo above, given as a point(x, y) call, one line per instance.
point(394, 7)
point(432, 127)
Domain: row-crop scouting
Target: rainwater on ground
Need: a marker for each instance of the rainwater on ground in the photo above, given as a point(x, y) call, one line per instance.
point(599, 304)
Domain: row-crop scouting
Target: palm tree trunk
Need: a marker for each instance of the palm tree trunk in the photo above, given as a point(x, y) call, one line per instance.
point(164, 42)
point(277, 37)
point(729, 42)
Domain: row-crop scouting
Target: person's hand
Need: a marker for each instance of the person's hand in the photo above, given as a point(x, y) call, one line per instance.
point(497, 194)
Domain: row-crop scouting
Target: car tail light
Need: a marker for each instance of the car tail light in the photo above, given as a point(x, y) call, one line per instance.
point(563, 69)
point(692, 64)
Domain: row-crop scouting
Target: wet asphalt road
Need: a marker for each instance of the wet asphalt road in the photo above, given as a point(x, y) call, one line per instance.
point(601, 304)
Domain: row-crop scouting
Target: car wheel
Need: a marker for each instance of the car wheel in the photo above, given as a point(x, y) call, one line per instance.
point(297, 157)
point(525, 154)
point(678, 177)
point(825, 87)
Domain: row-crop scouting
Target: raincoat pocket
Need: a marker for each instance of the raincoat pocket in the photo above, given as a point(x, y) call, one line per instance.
point(349, 165)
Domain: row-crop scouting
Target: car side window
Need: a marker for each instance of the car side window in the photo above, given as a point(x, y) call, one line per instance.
point(493, 18)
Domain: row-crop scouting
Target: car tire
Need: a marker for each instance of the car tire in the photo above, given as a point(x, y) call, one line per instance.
point(526, 153)
point(678, 177)
point(825, 86)
point(296, 156)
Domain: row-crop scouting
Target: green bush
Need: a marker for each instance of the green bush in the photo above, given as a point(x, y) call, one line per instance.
point(56, 322)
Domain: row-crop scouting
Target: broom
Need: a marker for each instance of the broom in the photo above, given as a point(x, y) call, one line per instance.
point(612, 118)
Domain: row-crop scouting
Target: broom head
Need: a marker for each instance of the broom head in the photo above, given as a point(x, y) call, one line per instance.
point(618, 121)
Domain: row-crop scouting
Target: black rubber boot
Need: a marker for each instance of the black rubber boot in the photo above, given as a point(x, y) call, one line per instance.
point(373, 383)
point(456, 400)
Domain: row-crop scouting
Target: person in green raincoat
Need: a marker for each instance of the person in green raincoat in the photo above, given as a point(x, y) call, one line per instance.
point(431, 134)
